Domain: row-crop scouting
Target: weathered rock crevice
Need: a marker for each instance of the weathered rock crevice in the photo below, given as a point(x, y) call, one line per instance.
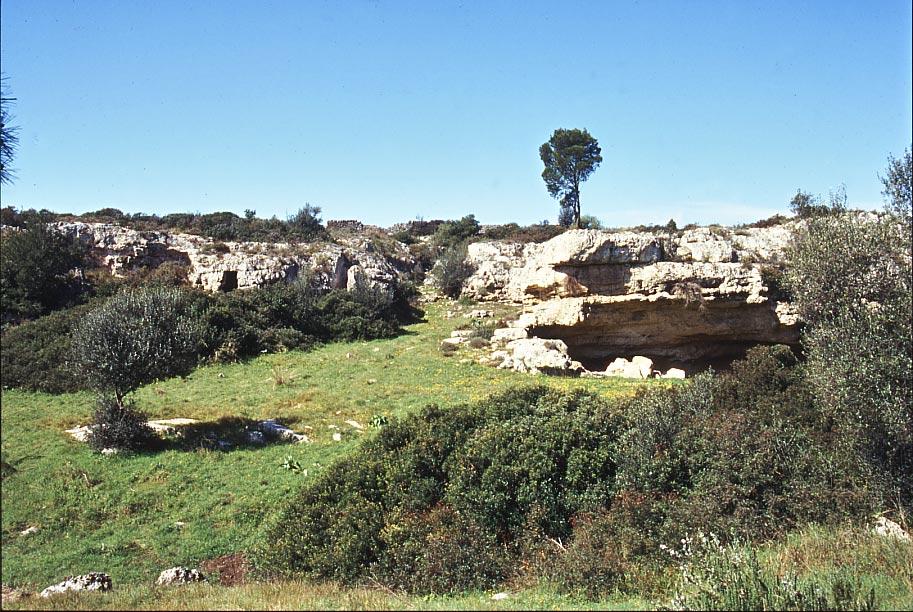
point(689, 299)
point(226, 266)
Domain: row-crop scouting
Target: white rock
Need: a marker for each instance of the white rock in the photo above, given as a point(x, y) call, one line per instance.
point(633, 370)
point(645, 364)
point(500, 596)
point(480, 314)
point(617, 367)
point(109, 451)
point(271, 427)
point(28, 531)
point(179, 575)
point(674, 373)
point(887, 528)
point(93, 581)
point(354, 424)
point(535, 355)
point(80, 433)
point(337, 437)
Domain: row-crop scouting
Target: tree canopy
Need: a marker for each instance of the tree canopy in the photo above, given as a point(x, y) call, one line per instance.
point(570, 156)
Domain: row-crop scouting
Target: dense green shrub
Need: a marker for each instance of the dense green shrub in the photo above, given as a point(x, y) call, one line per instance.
point(304, 226)
point(34, 355)
point(572, 488)
point(452, 233)
point(440, 551)
point(120, 426)
point(451, 271)
point(552, 461)
point(850, 275)
point(136, 337)
point(35, 271)
point(746, 451)
point(530, 233)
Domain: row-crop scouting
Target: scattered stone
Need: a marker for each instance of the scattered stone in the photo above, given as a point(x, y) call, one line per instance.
point(480, 314)
point(81, 434)
point(28, 531)
point(337, 437)
point(500, 596)
point(179, 524)
point(169, 426)
point(271, 427)
point(93, 581)
point(109, 451)
point(674, 373)
point(887, 528)
point(179, 575)
point(355, 424)
point(221, 375)
point(372, 381)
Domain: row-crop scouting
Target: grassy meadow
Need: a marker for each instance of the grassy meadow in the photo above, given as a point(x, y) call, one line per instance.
point(132, 516)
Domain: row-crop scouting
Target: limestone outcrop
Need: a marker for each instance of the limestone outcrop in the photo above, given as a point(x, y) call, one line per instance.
point(223, 266)
point(696, 295)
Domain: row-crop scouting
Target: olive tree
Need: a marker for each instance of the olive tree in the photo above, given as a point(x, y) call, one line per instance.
point(570, 156)
point(136, 337)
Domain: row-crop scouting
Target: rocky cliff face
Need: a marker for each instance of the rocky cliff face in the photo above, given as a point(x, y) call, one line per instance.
point(223, 266)
point(680, 298)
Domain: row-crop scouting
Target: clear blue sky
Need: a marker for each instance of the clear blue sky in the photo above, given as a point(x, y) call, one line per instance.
point(387, 110)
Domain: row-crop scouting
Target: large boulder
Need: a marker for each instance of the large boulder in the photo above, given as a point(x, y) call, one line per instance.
point(537, 355)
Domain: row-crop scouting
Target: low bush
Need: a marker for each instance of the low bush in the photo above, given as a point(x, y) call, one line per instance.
point(572, 488)
point(452, 233)
point(440, 551)
point(451, 271)
point(528, 233)
point(120, 426)
point(34, 355)
point(36, 271)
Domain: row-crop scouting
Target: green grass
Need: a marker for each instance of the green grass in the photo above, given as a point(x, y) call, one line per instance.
point(306, 596)
point(119, 514)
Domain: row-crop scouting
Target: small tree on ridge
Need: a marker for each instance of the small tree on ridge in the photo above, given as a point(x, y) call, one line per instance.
point(570, 156)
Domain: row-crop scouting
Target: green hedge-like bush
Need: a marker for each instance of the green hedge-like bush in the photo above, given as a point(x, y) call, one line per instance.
point(34, 355)
point(572, 487)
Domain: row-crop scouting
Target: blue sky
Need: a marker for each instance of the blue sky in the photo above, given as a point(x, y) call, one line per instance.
point(385, 111)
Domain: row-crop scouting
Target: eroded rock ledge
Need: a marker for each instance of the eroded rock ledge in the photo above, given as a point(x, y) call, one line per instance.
point(223, 266)
point(679, 299)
